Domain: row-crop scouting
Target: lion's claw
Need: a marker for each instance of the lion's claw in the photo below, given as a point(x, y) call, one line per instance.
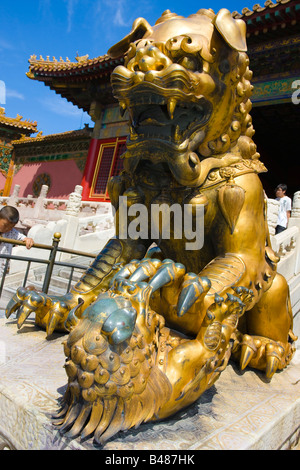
point(57, 315)
point(244, 294)
point(49, 312)
point(249, 348)
point(274, 355)
point(16, 301)
point(145, 270)
point(262, 353)
point(163, 274)
point(167, 274)
point(193, 288)
point(156, 272)
point(26, 302)
point(72, 318)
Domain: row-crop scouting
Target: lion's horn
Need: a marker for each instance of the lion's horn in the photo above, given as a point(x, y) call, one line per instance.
point(233, 31)
point(139, 28)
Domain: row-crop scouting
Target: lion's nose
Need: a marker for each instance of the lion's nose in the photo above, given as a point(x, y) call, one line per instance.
point(148, 58)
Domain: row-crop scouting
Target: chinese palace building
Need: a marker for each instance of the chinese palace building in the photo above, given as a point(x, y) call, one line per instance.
point(56, 160)
point(273, 37)
point(11, 129)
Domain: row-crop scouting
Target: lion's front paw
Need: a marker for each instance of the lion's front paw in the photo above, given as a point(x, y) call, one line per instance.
point(262, 353)
point(50, 312)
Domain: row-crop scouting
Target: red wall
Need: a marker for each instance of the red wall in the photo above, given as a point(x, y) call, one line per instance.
point(65, 175)
point(2, 181)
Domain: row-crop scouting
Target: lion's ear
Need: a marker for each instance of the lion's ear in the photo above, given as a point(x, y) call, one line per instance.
point(139, 28)
point(233, 31)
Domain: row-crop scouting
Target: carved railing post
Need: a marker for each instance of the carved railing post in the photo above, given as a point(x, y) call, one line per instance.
point(74, 202)
point(272, 214)
point(296, 205)
point(39, 205)
point(13, 198)
point(71, 215)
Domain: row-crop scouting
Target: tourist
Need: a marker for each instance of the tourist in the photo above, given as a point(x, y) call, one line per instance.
point(9, 217)
point(285, 208)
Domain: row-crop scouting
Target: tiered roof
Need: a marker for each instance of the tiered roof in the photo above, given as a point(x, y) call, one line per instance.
point(17, 124)
point(77, 81)
point(53, 146)
point(62, 136)
point(270, 20)
point(83, 66)
point(72, 80)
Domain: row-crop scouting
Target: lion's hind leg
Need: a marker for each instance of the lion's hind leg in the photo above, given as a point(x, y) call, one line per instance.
point(268, 344)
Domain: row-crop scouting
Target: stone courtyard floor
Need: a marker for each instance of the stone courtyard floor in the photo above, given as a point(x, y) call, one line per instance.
point(242, 410)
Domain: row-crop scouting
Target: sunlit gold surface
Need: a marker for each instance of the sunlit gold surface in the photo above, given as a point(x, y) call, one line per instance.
point(152, 330)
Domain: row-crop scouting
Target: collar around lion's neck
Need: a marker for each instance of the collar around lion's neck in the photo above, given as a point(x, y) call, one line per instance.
point(227, 173)
point(217, 172)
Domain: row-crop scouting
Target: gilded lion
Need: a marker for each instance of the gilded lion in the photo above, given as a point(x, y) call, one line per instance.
point(152, 327)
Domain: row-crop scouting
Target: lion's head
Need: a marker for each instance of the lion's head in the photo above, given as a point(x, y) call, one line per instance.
point(186, 85)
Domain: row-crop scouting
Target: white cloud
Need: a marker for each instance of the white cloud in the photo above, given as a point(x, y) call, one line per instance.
point(2, 92)
point(48, 10)
point(62, 107)
point(14, 94)
point(5, 45)
point(119, 18)
point(118, 10)
point(70, 10)
point(44, 6)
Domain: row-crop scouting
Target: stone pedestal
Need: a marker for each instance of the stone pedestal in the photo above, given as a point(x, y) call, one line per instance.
point(241, 411)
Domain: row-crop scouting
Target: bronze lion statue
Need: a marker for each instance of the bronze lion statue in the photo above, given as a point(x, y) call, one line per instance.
point(155, 319)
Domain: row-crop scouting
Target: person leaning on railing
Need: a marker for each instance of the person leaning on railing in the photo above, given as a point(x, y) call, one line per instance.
point(9, 217)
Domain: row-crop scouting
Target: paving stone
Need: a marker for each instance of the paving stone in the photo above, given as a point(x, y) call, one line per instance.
point(242, 410)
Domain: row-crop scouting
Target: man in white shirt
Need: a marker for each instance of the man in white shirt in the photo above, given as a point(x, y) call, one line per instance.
point(9, 217)
point(285, 208)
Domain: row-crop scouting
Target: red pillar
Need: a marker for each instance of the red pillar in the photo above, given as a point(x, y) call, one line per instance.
point(89, 169)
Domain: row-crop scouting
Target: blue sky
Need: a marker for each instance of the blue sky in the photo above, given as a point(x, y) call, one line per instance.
point(63, 28)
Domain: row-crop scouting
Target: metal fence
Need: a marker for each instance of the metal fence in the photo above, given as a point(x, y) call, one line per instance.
point(50, 262)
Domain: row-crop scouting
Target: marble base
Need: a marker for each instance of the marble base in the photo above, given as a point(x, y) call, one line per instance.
point(241, 411)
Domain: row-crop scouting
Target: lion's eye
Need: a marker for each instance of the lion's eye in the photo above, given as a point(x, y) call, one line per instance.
point(188, 63)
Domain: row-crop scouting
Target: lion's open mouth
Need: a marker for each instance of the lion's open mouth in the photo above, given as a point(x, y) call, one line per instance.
point(162, 105)
point(167, 121)
point(171, 120)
